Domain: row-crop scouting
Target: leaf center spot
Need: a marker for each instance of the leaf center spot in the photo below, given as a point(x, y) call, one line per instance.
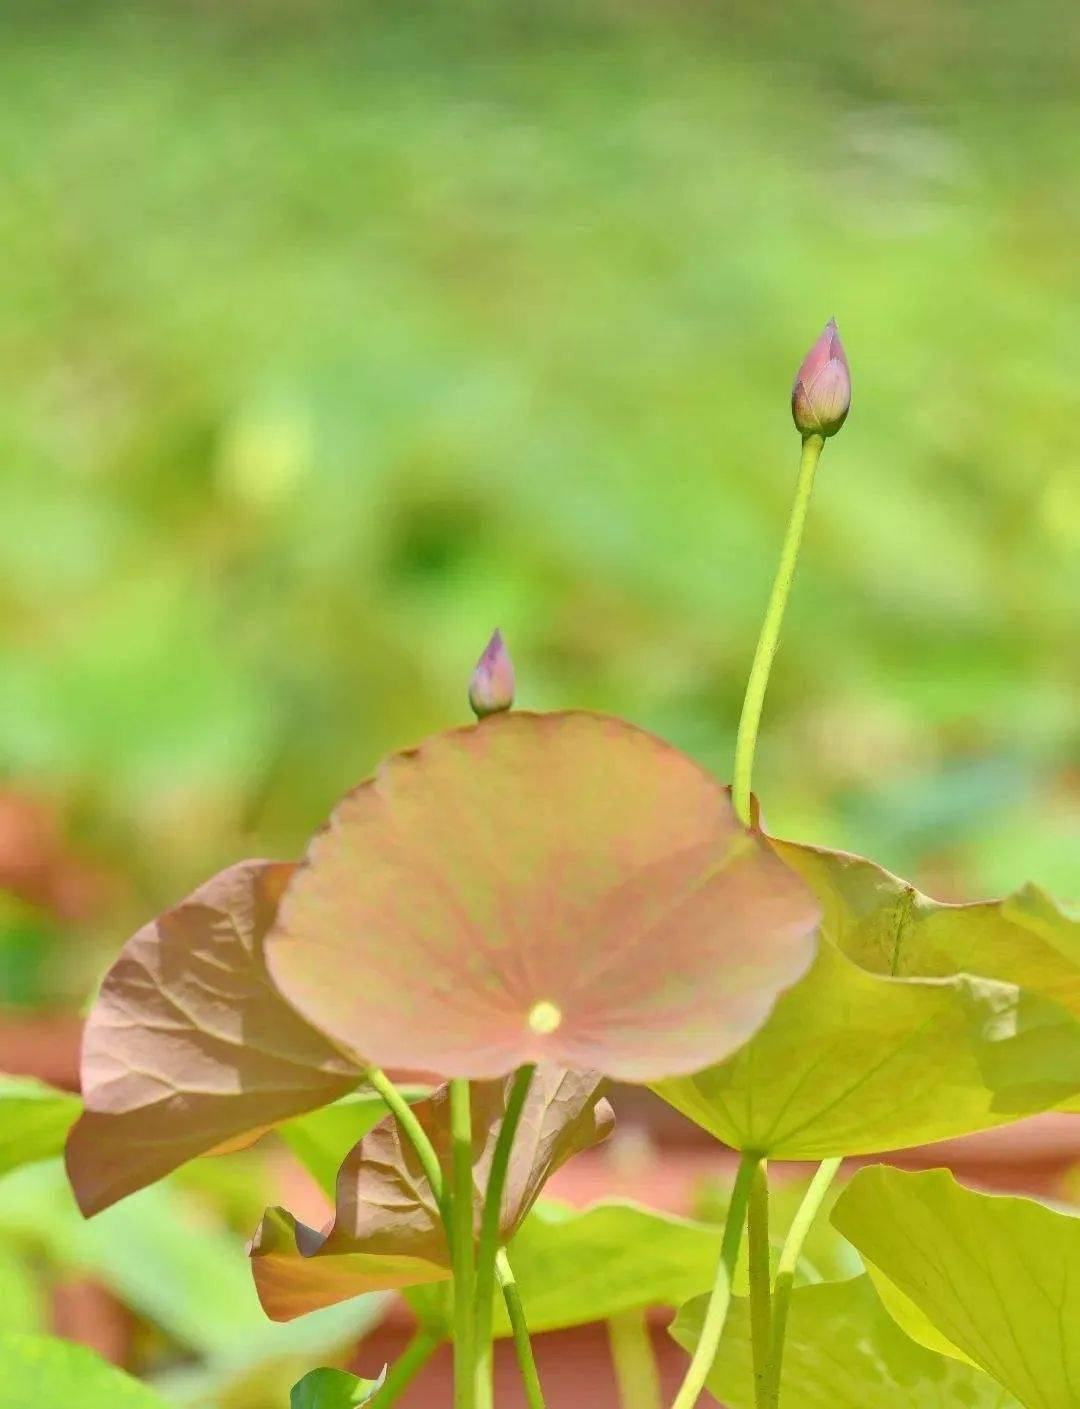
point(544, 1017)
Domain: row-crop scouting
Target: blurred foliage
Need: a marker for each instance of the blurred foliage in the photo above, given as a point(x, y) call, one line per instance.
point(46, 1369)
point(35, 1120)
point(337, 334)
point(169, 1255)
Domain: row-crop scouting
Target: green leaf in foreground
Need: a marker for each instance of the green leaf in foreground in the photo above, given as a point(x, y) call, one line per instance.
point(843, 1351)
point(43, 1370)
point(910, 1319)
point(34, 1120)
point(1056, 923)
point(888, 927)
point(573, 1268)
point(918, 1021)
point(851, 1062)
point(333, 1389)
point(998, 1277)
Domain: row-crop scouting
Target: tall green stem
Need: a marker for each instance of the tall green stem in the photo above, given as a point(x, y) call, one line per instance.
point(488, 1245)
point(461, 1244)
point(429, 1162)
point(534, 1395)
point(720, 1296)
point(634, 1360)
point(405, 1369)
point(769, 639)
point(785, 1272)
point(757, 1232)
point(416, 1135)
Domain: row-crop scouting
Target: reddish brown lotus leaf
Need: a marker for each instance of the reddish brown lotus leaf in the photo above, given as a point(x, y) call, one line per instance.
point(189, 1047)
point(295, 1272)
point(561, 888)
point(386, 1231)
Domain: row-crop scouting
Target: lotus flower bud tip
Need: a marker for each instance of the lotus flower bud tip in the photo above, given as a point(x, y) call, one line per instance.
point(492, 686)
point(821, 396)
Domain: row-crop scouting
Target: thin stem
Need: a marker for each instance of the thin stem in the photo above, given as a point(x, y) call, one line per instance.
point(757, 1234)
point(415, 1133)
point(461, 1244)
point(405, 1369)
point(785, 1273)
point(490, 1220)
point(720, 1297)
point(429, 1162)
point(534, 1395)
point(634, 1360)
point(769, 639)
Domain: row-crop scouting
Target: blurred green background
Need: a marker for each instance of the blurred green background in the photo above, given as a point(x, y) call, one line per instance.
point(334, 335)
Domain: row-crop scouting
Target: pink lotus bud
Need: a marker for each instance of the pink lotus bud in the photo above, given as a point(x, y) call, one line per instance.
point(492, 686)
point(821, 395)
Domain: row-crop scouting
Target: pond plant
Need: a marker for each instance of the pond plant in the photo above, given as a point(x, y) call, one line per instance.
point(513, 915)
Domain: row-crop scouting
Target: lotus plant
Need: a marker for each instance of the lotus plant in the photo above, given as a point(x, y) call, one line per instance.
point(516, 913)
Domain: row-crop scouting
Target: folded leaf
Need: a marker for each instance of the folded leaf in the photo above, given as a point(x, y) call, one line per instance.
point(387, 1232)
point(34, 1120)
point(842, 1351)
point(561, 888)
point(1057, 924)
point(189, 1046)
point(44, 1370)
point(887, 926)
point(322, 1138)
point(333, 1389)
point(997, 1276)
point(916, 1022)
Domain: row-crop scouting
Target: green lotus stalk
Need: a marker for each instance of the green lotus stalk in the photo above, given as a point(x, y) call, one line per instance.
point(462, 1251)
point(757, 1230)
point(820, 401)
point(634, 1360)
point(416, 1135)
point(769, 639)
point(720, 1297)
point(785, 1273)
point(429, 1162)
point(488, 1245)
point(534, 1395)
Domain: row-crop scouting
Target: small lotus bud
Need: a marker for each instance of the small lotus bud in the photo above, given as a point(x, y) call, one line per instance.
point(821, 395)
point(492, 686)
